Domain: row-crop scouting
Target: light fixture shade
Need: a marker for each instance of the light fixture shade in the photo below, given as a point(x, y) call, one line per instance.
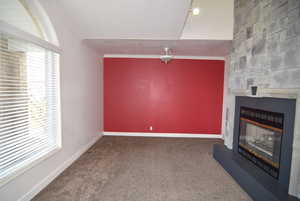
point(167, 57)
point(196, 11)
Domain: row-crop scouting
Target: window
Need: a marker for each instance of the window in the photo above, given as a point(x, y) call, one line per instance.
point(29, 93)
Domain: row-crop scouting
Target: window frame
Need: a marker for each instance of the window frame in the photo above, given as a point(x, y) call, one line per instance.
point(31, 162)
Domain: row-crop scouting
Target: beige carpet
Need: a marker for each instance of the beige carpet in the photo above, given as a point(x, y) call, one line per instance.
point(145, 169)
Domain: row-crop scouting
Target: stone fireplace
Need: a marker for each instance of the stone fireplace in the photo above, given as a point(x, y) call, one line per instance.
point(262, 143)
point(265, 53)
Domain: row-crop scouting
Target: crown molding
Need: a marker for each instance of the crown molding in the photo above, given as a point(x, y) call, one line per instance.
point(158, 56)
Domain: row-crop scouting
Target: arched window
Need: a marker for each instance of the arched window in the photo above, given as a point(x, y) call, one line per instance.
point(29, 87)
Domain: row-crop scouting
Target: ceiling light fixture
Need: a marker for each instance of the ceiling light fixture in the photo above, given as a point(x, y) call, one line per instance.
point(196, 11)
point(167, 57)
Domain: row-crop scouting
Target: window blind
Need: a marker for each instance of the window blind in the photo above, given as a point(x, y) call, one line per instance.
point(29, 102)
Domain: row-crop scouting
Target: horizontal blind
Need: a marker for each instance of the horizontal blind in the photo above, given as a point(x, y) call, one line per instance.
point(29, 120)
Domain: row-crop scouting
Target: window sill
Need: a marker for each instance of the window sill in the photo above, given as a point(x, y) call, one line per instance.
point(26, 165)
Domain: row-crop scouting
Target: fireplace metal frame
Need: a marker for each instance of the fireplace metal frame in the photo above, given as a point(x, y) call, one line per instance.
point(259, 185)
point(279, 105)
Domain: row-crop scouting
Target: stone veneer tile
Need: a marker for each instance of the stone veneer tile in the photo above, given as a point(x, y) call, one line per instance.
point(266, 44)
point(286, 79)
point(292, 58)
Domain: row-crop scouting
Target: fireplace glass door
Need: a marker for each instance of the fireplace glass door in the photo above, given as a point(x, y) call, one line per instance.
point(260, 138)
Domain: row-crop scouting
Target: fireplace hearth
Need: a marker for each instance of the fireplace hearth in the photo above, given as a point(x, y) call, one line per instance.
point(262, 147)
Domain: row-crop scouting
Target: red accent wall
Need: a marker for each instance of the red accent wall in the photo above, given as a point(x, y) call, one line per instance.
point(184, 96)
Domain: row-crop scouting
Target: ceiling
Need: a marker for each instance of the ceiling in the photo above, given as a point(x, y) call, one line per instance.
point(147, 26)
point(215, 21)
point(215, 48)
point(127, 19)
point(14, 13)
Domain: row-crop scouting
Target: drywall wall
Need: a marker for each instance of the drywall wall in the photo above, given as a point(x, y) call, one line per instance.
point(266, 45)
point(81, 109)
point(184, 96)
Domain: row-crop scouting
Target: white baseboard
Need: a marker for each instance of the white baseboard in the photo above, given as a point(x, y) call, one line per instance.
point(174, 135)
point(40, 186)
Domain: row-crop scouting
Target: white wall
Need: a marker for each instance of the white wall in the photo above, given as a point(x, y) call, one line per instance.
point(225, 98)
point(81, 88)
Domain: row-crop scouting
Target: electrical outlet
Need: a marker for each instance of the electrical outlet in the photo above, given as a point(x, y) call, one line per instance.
point(150, 128)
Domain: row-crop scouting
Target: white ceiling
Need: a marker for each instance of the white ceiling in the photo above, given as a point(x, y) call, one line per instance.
point(127, 19)
point(215, 21)
point(147, 26)
point(150, 19)
point(214, 48)
point(14, 13)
